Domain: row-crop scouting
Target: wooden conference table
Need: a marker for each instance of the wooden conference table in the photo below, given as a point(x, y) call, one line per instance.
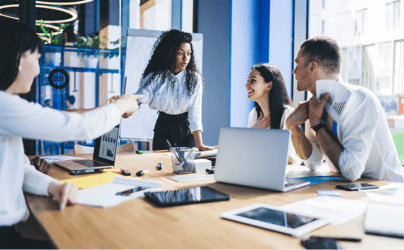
point(139, 224)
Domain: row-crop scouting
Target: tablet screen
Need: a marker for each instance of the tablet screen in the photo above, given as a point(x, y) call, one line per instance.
point(277, 217)
point(186, 196)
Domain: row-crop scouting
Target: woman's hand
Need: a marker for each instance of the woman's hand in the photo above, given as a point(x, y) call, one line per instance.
point(206, 148)
point(262, 122)
point(65, 194)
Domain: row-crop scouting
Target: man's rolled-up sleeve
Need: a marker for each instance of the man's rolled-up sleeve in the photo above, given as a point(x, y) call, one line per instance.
point(317, 156)
point(359, 124)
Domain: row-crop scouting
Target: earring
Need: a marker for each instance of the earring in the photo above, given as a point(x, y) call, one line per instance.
point(19, 68)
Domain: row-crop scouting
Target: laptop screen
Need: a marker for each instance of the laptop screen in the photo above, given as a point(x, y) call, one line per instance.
point(106, 145)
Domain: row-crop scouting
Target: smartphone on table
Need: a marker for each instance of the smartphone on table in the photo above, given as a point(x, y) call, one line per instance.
point(357, 186)
point(320, 243)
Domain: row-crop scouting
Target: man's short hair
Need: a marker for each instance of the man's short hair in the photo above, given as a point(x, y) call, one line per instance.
point(323, 50)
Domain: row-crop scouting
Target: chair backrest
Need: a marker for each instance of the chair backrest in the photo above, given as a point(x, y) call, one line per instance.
point(128, 147)
point(80, 149)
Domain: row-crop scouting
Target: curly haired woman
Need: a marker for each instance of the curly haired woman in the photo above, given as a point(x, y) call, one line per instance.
point(171, 84)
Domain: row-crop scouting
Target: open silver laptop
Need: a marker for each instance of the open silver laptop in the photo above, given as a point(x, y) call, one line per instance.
point(255, 158)
point(103, 156)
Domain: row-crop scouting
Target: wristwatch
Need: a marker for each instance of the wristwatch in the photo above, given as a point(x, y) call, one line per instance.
point(318, 127)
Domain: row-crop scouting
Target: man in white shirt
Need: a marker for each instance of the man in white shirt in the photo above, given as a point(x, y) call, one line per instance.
point(360, 144)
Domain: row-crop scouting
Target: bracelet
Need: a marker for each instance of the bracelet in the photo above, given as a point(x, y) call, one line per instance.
point(318, 127)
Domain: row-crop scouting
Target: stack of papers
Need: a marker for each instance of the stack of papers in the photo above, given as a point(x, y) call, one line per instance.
point(202, 154)
point(385, 219)
point(385, 215)
point(206, 154)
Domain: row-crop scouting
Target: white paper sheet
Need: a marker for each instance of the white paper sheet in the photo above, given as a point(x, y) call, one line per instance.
point(53, 158)
point(339, 210)
point(339, 95)
point(105, 195)
point(192, 177)
point(392, 193)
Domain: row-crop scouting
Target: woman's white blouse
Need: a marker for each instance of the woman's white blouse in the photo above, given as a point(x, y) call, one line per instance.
point(21, 119)
point(160, 96)
point(252, 118)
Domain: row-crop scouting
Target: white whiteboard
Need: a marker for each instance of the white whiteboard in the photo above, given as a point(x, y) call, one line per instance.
point(138, 52)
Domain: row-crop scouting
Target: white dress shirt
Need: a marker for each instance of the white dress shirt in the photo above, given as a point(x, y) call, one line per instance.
point(21, 119)
point(369, 149)
point(253, 117)
point(160, 96)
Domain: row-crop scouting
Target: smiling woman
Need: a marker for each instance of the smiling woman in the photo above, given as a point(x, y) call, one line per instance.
point(265, 86)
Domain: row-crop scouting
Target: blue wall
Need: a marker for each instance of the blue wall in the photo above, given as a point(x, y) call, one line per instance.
point(244, 54)
point(238, 34)
point(214, 24)
point(249, 46)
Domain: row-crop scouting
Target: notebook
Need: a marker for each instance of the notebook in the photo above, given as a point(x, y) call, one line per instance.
point(103, 156)
point(255, 158)
point(385, 219)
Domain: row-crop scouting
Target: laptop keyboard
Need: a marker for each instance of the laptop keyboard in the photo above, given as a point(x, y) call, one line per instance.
point(91, 163)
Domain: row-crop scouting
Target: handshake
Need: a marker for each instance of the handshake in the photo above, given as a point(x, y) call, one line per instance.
point(128, 104)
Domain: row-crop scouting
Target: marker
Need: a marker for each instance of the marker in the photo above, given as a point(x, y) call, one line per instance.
point(125, 172)
point(142, 172)
point(139, 152)
point(159, 166)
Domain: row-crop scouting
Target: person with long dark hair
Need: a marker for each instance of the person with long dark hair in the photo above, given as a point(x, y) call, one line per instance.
point(265, 86)
point(20, 51)
point(172, 85)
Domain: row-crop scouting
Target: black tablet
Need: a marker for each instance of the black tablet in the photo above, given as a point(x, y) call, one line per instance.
point(186, 196)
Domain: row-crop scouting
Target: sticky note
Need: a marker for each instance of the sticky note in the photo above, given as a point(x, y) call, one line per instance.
point(329, 192)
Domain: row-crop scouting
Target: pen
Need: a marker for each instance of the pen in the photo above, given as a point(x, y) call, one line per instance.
point(340, 238)
point(173, 150)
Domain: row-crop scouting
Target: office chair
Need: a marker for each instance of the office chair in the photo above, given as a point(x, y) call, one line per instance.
point(124, 148)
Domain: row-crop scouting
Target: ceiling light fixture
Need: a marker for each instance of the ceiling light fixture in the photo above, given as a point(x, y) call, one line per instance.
point(72, 13)
point(65, 3)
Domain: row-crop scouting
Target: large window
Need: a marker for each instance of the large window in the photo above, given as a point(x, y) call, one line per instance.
point(370, 59)
point(361, 21)
point(393, 15)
